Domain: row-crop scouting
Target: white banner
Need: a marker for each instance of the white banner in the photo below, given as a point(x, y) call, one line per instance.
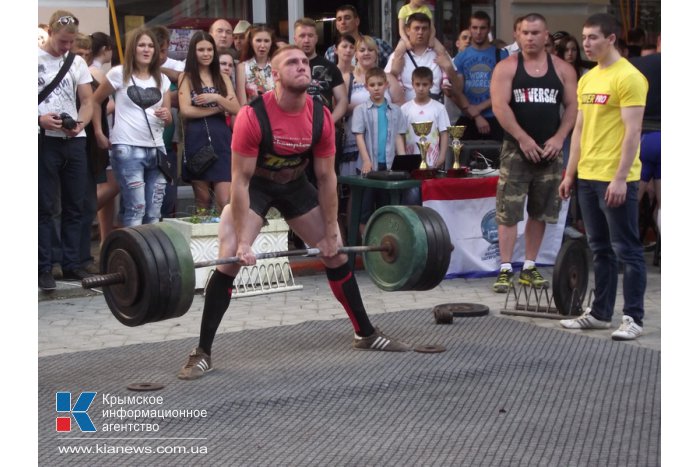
point(474, 232)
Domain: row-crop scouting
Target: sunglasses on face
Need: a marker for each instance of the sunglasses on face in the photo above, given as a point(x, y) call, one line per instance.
point(66, 20)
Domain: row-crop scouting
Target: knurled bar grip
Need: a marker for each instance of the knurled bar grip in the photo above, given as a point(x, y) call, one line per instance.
point(113, 278)
point(118, 278)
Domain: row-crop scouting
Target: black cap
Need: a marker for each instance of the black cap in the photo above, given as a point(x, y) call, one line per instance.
point(560, 35)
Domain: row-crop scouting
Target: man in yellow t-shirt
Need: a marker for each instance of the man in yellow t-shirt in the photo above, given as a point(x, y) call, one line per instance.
point(605, 153)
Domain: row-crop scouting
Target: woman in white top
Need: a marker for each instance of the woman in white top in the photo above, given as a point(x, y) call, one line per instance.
point(254, 72)
point(142, 110)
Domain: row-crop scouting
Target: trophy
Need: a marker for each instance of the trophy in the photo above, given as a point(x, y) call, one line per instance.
point(456, 133)
point(422, 129)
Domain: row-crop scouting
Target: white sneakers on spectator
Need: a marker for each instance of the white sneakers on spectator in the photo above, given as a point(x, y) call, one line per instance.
point(628, 330)
point(585, 321)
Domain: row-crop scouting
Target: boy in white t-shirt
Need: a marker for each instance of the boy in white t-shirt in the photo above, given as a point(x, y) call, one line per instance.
point(425, 109)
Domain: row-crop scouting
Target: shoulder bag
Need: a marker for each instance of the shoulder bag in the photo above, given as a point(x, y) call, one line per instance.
point(162, 161)
point(200, 161)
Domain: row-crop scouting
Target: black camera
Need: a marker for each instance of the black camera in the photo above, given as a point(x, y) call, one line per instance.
point(67, 121)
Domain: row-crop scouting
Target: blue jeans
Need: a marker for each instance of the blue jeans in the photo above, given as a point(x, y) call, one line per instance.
point(614, 233)
point(62, 168)
point(141, 183)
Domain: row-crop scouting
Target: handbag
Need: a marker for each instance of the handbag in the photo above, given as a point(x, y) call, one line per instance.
point(200, 161)
point(162, 161)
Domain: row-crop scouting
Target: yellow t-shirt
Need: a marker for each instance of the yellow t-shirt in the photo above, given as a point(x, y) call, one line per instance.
point(406, 11)
point(601, 95)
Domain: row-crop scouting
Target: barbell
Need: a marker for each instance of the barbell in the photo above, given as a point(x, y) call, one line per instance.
point(147, 271)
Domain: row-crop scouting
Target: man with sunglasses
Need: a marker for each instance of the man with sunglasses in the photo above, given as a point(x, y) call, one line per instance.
point(62, 147)
point(347, 21)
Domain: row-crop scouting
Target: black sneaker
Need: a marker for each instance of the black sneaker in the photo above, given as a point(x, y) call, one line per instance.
point(379, 341)
point(46, 281)
point(76, 274)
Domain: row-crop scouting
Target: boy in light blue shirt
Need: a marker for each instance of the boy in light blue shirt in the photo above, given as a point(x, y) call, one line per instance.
point(380, 128)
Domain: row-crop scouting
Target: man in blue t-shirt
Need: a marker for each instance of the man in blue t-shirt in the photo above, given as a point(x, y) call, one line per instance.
point(475, 66)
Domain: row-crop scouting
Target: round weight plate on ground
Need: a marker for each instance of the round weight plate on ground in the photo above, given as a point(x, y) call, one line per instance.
point(462, 310)
point(145, 386)
point(433, 348)
point(442, 316)
point(439, 248)
point(186, 268)
point(177, 293)
point(406, 231)
point(141, 285)
point(160, 310)
point(570, 277)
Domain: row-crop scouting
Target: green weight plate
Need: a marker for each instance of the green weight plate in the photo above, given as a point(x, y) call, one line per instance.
point(570, 277)
point(160, 308)
point(439, 248)
point(131, 301)
point(186, 268)
point(180, 298)
point(404, 228)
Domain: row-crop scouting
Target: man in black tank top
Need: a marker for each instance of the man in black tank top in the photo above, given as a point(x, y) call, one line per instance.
point(528, 91)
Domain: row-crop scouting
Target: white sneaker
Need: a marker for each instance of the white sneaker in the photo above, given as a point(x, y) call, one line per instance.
point(628, 330)
point(585, 321)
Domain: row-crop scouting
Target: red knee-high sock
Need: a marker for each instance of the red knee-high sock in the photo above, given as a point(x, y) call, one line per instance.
point(344, 287)
point(216, 303)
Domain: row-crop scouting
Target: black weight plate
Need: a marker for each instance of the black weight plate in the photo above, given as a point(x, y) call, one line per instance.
point(145, 386)
point(443, 254)
point(146, 291)
point(183, 254)
point(389, 175)
point(462, 310)
point(432, 348)
point(160, 308)
point(439, 248)
point(428, 273)
point(171, 270)
point(168, 270)
point(120, 260)
point(179, 302)
point(570, 275)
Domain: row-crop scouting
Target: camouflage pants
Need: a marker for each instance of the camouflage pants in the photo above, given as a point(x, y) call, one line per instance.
point(520, 179)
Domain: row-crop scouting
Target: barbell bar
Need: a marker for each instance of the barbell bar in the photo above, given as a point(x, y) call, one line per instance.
point(102, 280)
point(147, 271)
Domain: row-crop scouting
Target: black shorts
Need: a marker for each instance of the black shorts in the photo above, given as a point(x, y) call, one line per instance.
point(292, 199)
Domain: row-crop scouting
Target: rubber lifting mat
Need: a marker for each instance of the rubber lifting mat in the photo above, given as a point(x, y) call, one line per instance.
point(503, 393)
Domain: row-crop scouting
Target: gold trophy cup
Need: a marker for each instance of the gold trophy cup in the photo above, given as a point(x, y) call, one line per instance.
point(422, 129)
point(456, 132)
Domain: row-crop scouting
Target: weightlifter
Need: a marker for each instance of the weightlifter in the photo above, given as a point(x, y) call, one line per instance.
point(268, 169)
point(527, 91)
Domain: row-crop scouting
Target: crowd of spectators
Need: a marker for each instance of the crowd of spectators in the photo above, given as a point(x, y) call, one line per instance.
point(128, 114)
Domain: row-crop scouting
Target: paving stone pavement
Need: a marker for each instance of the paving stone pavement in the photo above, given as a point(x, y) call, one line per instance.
point(79, 322)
